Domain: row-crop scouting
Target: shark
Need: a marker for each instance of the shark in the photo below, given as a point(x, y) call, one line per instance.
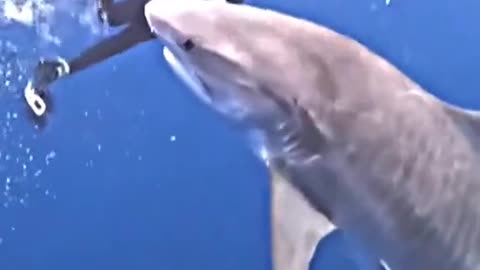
point(350, 141)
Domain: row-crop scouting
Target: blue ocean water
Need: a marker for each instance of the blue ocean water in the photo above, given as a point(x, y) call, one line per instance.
point(132, 172)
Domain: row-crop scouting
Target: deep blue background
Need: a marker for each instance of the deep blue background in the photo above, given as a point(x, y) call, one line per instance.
point(141, 201)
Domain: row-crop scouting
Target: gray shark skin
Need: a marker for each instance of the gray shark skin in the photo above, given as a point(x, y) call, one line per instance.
point(350, 141)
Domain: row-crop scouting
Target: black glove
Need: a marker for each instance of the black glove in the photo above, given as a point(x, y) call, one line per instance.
point(46, 72)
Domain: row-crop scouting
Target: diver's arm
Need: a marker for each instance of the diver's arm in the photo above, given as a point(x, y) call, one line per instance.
point(119, 43)
point(47, 71)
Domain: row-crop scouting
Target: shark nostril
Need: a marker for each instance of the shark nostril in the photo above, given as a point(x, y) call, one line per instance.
point(188, 45)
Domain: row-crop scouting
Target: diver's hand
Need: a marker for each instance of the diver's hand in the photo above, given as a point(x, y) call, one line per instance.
point(46, 72)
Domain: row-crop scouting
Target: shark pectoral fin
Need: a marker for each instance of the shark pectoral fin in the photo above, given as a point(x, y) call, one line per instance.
point(296, 226)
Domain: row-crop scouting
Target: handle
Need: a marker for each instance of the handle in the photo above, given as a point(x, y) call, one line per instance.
point(34, 101)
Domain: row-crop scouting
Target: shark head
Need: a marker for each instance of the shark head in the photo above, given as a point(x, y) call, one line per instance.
point(236, 61)
point(205, 45)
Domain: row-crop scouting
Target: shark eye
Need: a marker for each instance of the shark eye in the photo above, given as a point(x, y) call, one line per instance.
point(188, 45)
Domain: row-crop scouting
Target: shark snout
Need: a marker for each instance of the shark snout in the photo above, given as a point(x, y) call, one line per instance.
point(163, 13)
point(155, 13)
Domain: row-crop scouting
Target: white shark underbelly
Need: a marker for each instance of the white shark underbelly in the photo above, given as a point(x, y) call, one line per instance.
point(226, 105)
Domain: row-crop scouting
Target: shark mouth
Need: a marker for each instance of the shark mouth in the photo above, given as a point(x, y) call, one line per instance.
point(185, 74)
point(201, 89)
